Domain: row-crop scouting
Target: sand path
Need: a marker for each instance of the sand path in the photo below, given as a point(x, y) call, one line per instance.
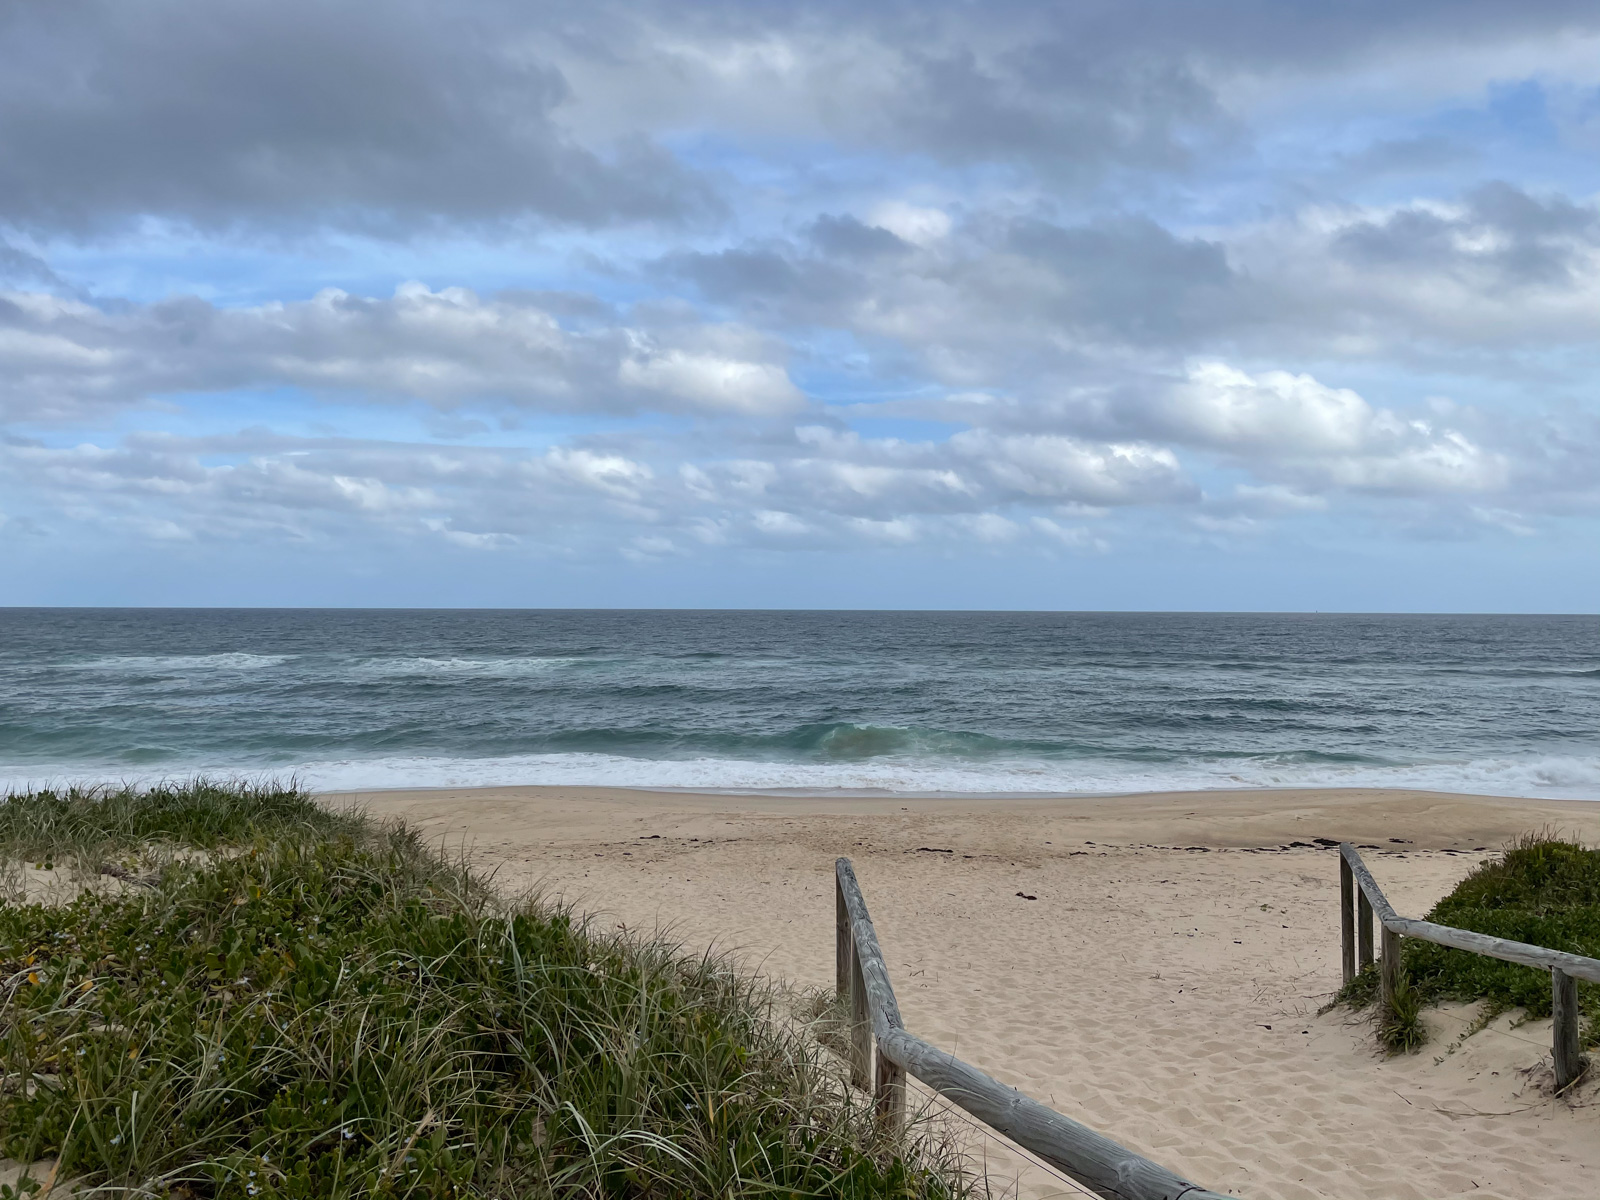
point(1163, 987)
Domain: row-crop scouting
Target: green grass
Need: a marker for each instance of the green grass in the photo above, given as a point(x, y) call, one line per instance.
point(80, 823)
point(329, 1009)
point(1545, 892)
point(1400, 1027)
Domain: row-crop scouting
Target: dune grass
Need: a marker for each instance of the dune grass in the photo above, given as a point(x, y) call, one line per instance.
point(1545, 891)
point(329, 1009)
point(79, 823)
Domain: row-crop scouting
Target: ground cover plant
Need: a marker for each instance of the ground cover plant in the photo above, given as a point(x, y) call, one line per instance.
point(1545, 892)
point(319, 1007)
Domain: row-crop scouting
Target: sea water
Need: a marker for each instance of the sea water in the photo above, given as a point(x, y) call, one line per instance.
point(918, 703)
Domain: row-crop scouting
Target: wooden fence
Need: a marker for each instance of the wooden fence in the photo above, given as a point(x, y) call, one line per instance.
point(1360, 897)
point(883, 1053)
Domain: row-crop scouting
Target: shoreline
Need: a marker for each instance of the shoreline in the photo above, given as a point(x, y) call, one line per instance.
point(732, 778)
point(1229, 816)
point(843, 793)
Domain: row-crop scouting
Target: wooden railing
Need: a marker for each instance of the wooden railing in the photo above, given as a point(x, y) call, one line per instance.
point(1360, 897)
point(883, 1053)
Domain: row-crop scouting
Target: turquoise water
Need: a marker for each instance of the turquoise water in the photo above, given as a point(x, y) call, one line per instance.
point(905, 702)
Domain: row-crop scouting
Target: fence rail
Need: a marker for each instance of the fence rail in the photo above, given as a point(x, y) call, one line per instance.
point(1355, 925)
point(883, 1052)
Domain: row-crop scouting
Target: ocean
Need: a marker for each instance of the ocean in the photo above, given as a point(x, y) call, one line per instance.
point(907, 702)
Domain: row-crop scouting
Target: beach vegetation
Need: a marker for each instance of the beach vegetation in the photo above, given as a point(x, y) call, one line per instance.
point(1360, 992)
point(311, 1005)
point(1544, 891)
point(1400, 1027)
point(78, 824)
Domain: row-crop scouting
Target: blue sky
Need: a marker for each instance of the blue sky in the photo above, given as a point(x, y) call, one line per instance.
point(1137, 305)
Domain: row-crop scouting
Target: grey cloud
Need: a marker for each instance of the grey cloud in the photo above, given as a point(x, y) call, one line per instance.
point(846, 236)
point(771, 276)
point(1070, 90)
point(1264, 32)
point(298, 112)
point(1055, 106)
point(1406, 156)
point(1125, 278)
point(1496, 278)
point(20, 267)
point(1027, 305)
point(1502, 234)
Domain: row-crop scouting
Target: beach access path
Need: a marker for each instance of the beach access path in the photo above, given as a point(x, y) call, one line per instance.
point(1151, 966)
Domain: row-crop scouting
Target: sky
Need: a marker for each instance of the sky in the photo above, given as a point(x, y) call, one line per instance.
point(1091, 305)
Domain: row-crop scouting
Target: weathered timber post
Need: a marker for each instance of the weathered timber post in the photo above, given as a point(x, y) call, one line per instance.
point(860, 1024)
point(1347, 919)
point(842, 941)
point(889, 1091)
point(1390, 974)
point(1564, 1029)
point(1363, 930)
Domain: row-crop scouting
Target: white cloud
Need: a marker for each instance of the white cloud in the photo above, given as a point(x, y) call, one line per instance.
point(1225, 407)
point(911, 223)
point(783, 524)
point(1237, 525)
point(1495, 269)
point(1321, 437)
point(609, 473)
point(989, 527)
point(896, 531)
point(708, 383)
point(1052, 467)
point(1073, 537)
point(1025, 305)
point(64, 359)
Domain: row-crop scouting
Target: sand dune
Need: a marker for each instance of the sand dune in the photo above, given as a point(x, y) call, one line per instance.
point(1163, 987)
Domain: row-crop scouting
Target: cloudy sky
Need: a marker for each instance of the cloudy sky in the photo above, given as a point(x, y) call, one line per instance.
point(1145, 304)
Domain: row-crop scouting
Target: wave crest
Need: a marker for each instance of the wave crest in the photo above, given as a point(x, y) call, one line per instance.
point(144, 663)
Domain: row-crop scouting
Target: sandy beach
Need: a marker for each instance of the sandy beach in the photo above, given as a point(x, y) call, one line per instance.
point(1150, 965)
